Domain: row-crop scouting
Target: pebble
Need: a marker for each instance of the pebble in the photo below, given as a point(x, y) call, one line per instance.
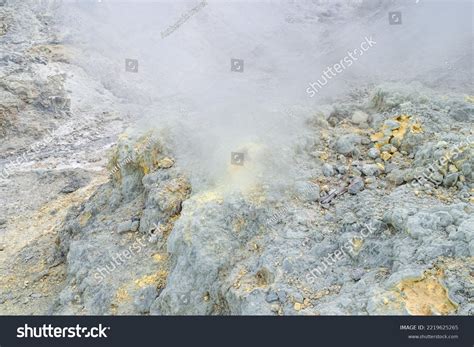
point(345, 144)
point(396, 176)
point(373, 153)
point(328, 170)
point(392, 124)
point(370, 170)
point(124, 227)
point(271, 297)
point(451, 179)
point(356, 186)
point(297, 297)
point(135, 225)
point(359, 117)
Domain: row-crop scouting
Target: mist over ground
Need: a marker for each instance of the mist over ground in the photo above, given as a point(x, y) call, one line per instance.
point(184, 78)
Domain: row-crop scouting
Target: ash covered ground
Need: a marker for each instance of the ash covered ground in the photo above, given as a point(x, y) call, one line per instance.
point(210, 158)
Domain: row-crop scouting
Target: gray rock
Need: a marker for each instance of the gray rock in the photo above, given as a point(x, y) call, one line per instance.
point(124, 227)
point(341, 169)
point(359, 117)
point(462, 111)
point(451, 179)
point(396, 177)
point(370, 170)
point(466, 169)
point(135, 225)
point(397, 218)
point(73, 185)
point(328, 170)
point(346, 144)
point(391, 124)
point(373, 153)
point(445, 219)
point(282, 296)
point(298, 297)
point(271, 297)
point(356, 186)
point(376, 120)
point(144, 299)
point(307, 191)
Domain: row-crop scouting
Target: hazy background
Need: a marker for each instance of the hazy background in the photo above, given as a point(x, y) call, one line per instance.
point(184, 81)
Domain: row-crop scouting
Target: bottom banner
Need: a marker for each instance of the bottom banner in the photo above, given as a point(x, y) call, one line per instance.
point(331, 331)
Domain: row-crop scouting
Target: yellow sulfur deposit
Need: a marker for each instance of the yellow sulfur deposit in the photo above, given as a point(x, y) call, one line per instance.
point(426, 295)
point(395, 135)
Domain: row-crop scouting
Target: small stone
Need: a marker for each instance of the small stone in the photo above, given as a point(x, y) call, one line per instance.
point(451, 179)
point(297, 297)
point(391, 124)
point(73, 185)
point(370, 170)
point(298, 306)
point(466, 169)
point(396, 176)
point(370, 180)
point(328, 170)
point(345, 144)
point(445, 219)
point(307, 191)
point(436, 177)
point(282, 295)
point(166, 163)
point(373, 153)
point(385, 156)
point(359, 117)
point(355, 186)
point(271, 297)
point(124, 227)
point(135, 226)
point(461, 111)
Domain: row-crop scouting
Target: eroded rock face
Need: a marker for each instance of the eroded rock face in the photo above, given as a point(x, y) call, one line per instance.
point(275, 249)
point(113, 243)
